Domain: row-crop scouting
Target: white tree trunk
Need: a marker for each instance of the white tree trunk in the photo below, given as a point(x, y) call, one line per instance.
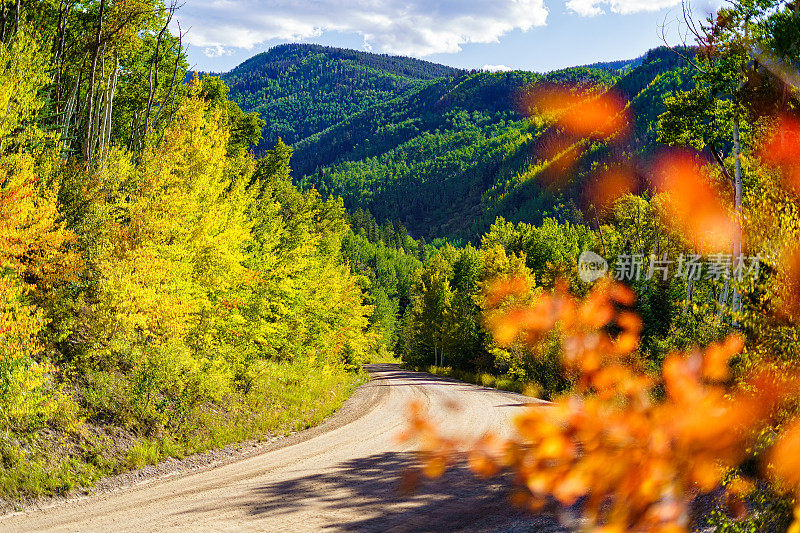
point(736, 305)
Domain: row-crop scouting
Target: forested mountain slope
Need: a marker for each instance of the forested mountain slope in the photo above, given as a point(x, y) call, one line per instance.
point(621, 65)
point(301, 89)
point(443, 151)
point(448, 158)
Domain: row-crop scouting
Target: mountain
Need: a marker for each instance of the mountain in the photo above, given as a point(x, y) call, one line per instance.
point(622, 65)
point(448, 158)
point(443, 151)
point(301, 89)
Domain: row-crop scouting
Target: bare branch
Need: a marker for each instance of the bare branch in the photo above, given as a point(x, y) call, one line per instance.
point(154, 64)
point(181, 33)
point(718, 158)
point(90, 100)
point(174, 75)
point(689, 61)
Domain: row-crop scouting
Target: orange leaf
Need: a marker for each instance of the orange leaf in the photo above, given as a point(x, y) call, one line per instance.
point(611, 185)
point(585, 113)
point(695, 209)
point(785, 457)
point(435, 466)
point(782, 149)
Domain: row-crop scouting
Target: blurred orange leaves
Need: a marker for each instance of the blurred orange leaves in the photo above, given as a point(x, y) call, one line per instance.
point(584, 113)
point(782, 149)
point(790, 281)
point(633, 458)
point(580, 114)
point(610, 185)
point(487, 455)
point(594, 113)
point(785, 457)
point(695, 208)
point(635, 446)
point(562, 154)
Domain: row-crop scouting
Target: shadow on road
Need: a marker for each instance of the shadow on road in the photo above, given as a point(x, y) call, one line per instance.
point(369, 487)
point(388, 374)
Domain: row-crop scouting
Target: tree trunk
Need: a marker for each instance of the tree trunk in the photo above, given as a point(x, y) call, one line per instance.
point(602, 239)
point(736, 304)
point(153, 75)
point(16, 15)
point(4, 19)
point(722, 302)
point(174, 77)
point(87, 149)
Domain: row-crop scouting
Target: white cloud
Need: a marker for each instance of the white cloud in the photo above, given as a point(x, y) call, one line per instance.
point(590, 8)
point(585, 8)
point(217, 51)
point(496, 68)
point(409, 27)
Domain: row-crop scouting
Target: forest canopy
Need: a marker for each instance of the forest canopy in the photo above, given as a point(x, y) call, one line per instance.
point(189, 260)
point(162, 291)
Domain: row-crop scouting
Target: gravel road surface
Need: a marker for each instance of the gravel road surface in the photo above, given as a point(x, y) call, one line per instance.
point(342, 475)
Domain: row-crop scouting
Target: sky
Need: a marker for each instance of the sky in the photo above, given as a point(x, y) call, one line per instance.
point(536, 35)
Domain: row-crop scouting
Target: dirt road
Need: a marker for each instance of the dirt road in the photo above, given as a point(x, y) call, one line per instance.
point(342, 475)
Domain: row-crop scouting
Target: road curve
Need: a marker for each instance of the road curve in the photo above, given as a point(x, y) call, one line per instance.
point(342, 475)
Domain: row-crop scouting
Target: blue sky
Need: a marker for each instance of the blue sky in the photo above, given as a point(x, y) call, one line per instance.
point(537, 35)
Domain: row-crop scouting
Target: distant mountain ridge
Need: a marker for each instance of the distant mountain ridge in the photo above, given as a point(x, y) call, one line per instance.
point(301, 89)
point(442, 150)
point(622, 65)
point(400, 65)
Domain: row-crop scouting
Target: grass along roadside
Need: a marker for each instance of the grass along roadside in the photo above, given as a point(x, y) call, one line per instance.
point(286, 397)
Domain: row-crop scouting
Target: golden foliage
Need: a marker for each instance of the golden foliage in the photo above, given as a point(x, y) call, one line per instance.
point(33, 258)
